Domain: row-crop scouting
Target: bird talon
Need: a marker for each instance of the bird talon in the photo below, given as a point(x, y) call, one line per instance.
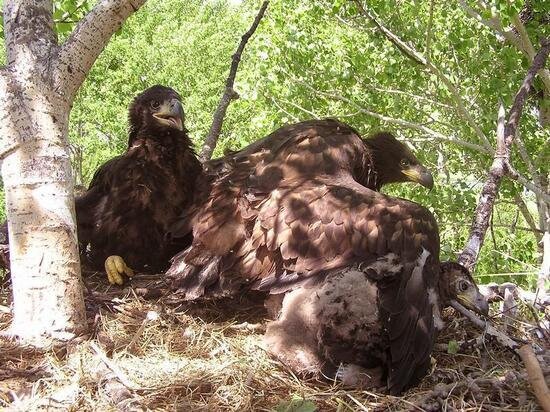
point(115, 267)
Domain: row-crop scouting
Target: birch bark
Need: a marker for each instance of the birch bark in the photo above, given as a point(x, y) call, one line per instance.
point(37, 89)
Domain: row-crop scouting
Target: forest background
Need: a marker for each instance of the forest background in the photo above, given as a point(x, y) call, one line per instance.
point(437, 84)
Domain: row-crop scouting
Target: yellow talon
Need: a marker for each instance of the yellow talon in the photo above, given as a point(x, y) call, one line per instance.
point(115, 267)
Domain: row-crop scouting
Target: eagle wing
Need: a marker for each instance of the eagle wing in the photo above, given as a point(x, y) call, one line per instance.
point(276, 239)
point(90, 204)
point(304, 230)
point(243, 179)
point(128, 208)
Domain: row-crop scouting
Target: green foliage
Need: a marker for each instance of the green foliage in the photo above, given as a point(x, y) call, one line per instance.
point(303, 49)
point(296, 404)
point(66, 13)
point(452, 347)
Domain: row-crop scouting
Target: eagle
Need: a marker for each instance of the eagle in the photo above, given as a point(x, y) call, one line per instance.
point(123, 217)
point(373, 325)
point(297, 203)
point(299, 208)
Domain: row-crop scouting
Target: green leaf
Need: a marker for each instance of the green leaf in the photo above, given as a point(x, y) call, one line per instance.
point(296, 404)
point(452, 347)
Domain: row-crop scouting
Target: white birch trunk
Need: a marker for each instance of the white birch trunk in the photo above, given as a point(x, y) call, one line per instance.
point(37, 89)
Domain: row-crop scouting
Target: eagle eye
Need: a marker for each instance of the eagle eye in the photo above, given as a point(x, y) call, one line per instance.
point(155, 104)
point(404, 162)
point(463, 286)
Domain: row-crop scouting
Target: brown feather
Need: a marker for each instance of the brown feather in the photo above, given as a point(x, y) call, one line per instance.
point(134, 198)
point(301, 204)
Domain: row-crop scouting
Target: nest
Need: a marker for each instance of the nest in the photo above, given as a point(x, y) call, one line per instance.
point(149, 354)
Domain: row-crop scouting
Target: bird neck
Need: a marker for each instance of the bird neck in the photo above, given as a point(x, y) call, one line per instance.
point(171, 143)
point(370, 174)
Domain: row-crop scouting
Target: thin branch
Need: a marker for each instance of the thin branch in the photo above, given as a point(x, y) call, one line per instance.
point(527, 46)
point(489, 329)
point(534, 188)
point(400, 44)
point(429, 31)
point(303, 109)
point(79, 52)
point(493, 23)
point(404, 123)
point(405, 93)
point(527, 159)
point(282, 109)
point(229, 94)
point(527, 216)
point(113, 367)
point(521, 42)
point(500, 167)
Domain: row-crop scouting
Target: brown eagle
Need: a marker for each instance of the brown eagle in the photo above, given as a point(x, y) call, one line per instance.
point(295, 204)
point(370, 326)
point(124, 215)
point(300, 208)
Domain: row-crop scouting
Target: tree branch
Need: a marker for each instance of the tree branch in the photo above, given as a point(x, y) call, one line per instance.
point(303, 109)
point(501, 163)
point(89, 38)
point(400, 44)
point(429, 31)
point(278, 106)
point(493, 23)
point(489, 329)
point(525, 352)
point(527, 160)
point(28, 41)
point(417, 57)
point(404, 123)
point(229, 94)
point(527, 216)
point(521, 42)
point(405, 93)
point(527, 47)
point(539, 191)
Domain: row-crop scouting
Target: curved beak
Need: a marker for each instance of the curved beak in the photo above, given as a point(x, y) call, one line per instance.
point(474, 301)
point(171, 114)
point(419, 174)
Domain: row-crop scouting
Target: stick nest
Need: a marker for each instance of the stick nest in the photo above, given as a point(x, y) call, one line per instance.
point(147, 354)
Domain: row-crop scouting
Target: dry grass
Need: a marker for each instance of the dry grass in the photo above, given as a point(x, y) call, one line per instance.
point(201, 357)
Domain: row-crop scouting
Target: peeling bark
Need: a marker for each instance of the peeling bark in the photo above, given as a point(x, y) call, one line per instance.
point(501, 164)
point(37, 89)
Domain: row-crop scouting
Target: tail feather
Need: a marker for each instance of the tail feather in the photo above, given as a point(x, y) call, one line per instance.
point(190, 280)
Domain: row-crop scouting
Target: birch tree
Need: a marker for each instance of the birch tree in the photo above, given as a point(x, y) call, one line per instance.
point(37, 89)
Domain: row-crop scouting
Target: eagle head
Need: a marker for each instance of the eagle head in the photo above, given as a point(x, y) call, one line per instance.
point(457, 283)
point(156, 111)
point(394, 162)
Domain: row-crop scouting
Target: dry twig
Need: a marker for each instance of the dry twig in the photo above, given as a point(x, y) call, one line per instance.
point(114, 368)
point(535, 376)
point(525, 352)
point(229, 94)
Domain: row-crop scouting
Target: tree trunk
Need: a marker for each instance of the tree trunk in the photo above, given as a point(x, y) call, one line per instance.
point(45, 266)
point(37, 89)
